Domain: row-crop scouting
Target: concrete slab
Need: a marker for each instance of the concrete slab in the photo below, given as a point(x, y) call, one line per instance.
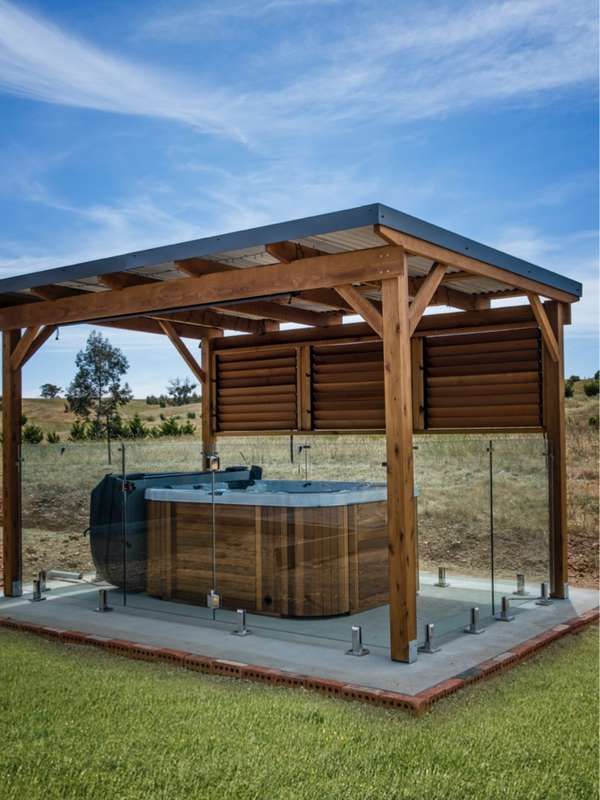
point(311, 647)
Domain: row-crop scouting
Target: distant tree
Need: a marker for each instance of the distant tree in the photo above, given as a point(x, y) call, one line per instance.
point(574, 379)
point(96, 392)
point(179, 392)
point(597, 375)
point(49, 391)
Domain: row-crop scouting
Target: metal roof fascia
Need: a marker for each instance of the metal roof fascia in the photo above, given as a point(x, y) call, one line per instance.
point(420, 229)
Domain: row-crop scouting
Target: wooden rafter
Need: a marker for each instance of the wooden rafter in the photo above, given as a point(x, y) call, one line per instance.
point(419, 247)
point(423, 297)
point(183, 351)
point(30, 343)
point(310, 273)
point(284, 312)
point(545, 327)
point(286, 252)
point(363, 306)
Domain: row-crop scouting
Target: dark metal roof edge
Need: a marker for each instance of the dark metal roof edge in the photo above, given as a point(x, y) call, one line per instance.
point(413, 226)
point(294, 229)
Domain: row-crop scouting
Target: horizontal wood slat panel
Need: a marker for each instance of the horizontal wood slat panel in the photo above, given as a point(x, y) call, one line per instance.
point(480, 338)
point(347, 387)
point(257, 391)
point(483, 380)
point(496, 423)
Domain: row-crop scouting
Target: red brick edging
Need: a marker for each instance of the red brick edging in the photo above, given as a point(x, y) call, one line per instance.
point(417, 704)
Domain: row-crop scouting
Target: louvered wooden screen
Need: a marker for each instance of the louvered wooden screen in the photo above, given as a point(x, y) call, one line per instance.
point(256, 391)
point(483, 380)
point(347, 387)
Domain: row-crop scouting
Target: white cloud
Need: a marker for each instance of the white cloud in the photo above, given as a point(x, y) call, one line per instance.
point(408, 63)
point(40, 61)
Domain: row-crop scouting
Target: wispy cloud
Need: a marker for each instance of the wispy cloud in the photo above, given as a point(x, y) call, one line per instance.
point(40, 61)
point(409, 63)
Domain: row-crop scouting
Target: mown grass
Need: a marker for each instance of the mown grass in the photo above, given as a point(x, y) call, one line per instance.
point(83, 724)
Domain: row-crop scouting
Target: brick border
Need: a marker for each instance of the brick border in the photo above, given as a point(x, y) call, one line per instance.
point(416, 704)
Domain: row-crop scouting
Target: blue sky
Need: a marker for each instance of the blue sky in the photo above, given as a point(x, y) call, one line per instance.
point(127, 125)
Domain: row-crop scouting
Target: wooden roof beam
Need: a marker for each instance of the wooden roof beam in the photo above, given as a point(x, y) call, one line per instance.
point(284, 312)
point(215, 289)
point(434, 252)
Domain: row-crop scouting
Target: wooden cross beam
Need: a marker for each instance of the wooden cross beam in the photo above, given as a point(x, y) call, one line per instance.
point(183, 350)
point(419, 247)
point(545, 327)
point(213, 289)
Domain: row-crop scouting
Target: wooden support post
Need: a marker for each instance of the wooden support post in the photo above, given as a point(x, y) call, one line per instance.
point(11, 472)
point(554, 421)
point(424, 295)
point(400, 480)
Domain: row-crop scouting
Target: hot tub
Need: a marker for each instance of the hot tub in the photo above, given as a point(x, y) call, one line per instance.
point(287, 548)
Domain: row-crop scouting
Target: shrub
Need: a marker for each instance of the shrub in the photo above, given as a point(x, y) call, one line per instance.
point(593, 422)
point(162, 416)
point(169, 427)
point(78, 431)
point(149, 418)
point(188, 429)
point(162, 403)
point(52, 437)
point(23, 420)
point(569, 389)
point(191, 415)
point(597, 375)
point(591, 388)
point(574, 379)
point(33, 434)
point(136, 429)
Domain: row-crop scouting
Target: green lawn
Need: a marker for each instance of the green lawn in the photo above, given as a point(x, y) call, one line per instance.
point(79, 723)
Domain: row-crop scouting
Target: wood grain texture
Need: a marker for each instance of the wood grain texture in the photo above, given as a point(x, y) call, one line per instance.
point(400, 480)
point(298, 562)
point(11, 477)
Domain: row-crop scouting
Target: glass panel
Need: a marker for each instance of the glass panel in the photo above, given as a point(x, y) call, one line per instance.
point(521, 517)
point(452, 476)
point(57, 484)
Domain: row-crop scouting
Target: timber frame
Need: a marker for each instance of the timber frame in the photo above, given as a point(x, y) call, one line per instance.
point(374, 262)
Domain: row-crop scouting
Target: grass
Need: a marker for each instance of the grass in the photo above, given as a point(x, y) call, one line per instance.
point(84, 724)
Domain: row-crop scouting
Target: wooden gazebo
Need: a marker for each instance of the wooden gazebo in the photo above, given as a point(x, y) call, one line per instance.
point(479, 369)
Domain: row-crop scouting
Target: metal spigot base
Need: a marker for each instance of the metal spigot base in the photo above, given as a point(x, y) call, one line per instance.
point(103, 610)
point(474, 630)
point(521, 593)
point(36, 599)
point(363, 651)
point(543, 601)
point(427, 647)
point(501, 616)
point(241, 632)
point(443, 585)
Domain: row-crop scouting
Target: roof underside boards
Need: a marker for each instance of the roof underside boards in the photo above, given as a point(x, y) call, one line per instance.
point(343, 231)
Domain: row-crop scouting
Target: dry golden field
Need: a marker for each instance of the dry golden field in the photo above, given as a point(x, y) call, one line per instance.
point(452, 472)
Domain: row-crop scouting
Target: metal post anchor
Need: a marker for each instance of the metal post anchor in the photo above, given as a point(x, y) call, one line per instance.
point(544, 599)
point(242, 630)
point(504, 614)
point(474, 626)
point(37, 596)
point(103, 606)
point(428, 645)
point(441, 581)
point(520, 591)
point(357, 648)
point(42, 580)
